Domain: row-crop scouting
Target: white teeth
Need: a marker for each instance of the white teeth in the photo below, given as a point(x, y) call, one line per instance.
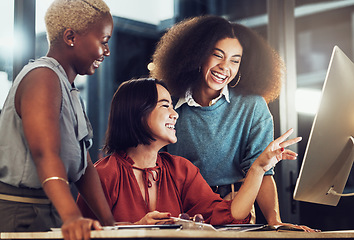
point(96, 63)
point(170, 126)
point(218, 75)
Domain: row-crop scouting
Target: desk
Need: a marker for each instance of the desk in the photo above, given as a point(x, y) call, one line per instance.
point(186, 234)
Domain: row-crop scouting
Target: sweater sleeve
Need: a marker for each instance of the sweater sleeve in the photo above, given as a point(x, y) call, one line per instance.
point(261, 133)
point(198, 197)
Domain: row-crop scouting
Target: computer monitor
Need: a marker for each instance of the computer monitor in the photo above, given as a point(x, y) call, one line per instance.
point(329, 153)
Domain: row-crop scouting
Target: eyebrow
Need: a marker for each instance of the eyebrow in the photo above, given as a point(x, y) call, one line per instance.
point(236, 55)
point(163, 100)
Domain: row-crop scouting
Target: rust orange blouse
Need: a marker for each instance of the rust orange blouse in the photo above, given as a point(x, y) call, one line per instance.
point(181, 189)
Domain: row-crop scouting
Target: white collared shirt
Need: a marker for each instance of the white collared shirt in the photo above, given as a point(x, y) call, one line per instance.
point(188, 98)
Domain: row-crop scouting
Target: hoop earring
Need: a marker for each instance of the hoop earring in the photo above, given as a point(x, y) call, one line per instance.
point(238, 80)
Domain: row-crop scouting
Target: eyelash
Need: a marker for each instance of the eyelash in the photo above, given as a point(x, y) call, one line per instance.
point(219, 56)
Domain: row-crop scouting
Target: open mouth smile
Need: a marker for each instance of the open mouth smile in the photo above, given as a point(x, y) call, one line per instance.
point(170, 126)
point(97, 62)
point(218, 76)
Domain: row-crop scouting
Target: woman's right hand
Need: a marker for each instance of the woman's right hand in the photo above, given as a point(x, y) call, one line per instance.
point(155, 217)
point(79, 228)
point(275, 151)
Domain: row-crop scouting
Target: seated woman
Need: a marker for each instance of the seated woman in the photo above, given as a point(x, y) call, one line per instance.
point(145, 186)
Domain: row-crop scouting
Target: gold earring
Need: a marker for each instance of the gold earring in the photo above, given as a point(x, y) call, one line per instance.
point(238, 80)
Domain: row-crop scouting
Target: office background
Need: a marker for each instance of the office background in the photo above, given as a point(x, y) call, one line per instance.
point(303, 31)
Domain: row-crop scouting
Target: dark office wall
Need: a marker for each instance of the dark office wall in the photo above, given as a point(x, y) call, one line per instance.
point(317, 34)
point(131, 46)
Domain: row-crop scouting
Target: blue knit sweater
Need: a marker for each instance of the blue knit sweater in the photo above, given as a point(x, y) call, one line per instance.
point(224, 139)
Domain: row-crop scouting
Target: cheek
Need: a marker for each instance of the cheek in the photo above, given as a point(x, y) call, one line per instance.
point(205, 73)
point(94, 50)
point(98, 51)
point(206, 69)
point(234, 72)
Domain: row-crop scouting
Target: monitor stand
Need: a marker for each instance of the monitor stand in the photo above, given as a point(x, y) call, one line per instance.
point(331, 189)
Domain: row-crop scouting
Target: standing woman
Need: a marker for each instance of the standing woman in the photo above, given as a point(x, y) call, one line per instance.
point(222, 75)
point(47, 131)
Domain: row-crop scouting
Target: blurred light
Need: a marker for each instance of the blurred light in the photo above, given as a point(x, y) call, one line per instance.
point(6, 44)
point(5, 86)
point(20, 43)
point(307, 100)
point(151, 66)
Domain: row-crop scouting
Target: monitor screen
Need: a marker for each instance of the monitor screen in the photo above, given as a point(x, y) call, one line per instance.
point(329, 153)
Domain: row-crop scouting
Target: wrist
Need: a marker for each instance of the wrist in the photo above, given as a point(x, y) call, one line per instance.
point(274, 223)
point(71, 215)
point(108, 221)
point(257, 169)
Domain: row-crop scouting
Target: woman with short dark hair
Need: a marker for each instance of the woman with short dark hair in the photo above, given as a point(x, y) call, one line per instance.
point(133, 109)
point(145, 186)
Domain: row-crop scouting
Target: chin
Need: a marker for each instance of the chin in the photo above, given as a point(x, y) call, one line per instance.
point(90, 72)
point(216, 86)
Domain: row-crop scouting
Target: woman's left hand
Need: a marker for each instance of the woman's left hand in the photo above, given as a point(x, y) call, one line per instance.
point(301, 227)
point(156, 217)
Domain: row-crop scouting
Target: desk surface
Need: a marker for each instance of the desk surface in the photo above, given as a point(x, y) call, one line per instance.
point(186, 234)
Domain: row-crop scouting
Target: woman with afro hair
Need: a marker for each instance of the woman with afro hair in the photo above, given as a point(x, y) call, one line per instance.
point(222, 76)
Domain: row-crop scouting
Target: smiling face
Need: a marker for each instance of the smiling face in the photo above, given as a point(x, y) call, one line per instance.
point(162, 119)
point(222, 65)
point(91, 47)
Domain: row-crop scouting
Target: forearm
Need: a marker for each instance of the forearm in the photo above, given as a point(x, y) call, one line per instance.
point(267, 200)
point(246, 196)
point(57, 190)
point(90, 188)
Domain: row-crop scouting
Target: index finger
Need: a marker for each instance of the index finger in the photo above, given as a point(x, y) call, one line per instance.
point(284, 136)
point(96, 225)
point(290, 142)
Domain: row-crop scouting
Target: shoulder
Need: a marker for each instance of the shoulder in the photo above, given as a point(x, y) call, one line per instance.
point(179, 168)
point(40, 78)
point(43, 75)
point(107, 163)
point(177, 162)
point(44, 66)
point(252, 101)
point(109, 169)
point(239, 96)
point(39, 90)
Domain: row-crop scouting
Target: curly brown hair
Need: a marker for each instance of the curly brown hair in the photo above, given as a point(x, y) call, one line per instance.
point(186, 46)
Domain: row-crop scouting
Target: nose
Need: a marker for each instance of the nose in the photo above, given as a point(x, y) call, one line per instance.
point(223, 65)
point(106, 51)
point(174, 115)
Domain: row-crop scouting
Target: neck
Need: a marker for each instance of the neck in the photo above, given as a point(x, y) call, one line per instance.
point(144, 156)
point(204, 96)
point(61, 56)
